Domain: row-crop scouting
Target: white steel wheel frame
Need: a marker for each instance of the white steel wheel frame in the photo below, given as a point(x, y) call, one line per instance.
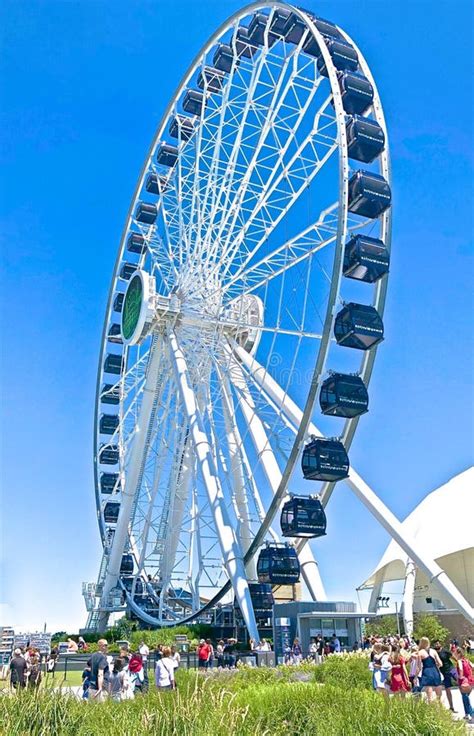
point(139, 376)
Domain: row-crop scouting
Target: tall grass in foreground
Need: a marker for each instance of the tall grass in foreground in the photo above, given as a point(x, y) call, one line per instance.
point(251, 702)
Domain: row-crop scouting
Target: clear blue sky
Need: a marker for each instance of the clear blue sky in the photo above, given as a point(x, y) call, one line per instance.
point(83, 85)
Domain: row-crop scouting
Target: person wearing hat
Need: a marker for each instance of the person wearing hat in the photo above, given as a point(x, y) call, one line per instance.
point(18, 670)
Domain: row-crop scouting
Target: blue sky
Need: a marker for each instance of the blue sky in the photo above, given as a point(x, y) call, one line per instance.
point(83, 85)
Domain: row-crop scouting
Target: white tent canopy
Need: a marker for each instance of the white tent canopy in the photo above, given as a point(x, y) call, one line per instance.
point(443, 525)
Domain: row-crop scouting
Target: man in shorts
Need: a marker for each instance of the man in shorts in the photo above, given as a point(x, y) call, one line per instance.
point(100, 675)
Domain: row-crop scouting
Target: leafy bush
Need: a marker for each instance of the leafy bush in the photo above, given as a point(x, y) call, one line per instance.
point(426, 624)
point(381, 626)
point(345, 670)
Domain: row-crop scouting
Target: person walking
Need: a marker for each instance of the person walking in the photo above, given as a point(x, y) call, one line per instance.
point(210, 658)
point(100, 673)
point(144, 651)
point(380, 666)
point(296, 652)
point(430, 680)
point(446, 672)
point(414, 669)
point(34, 672)
point(399, 682)
point(120, 685)
point(136, 672)
point(18, 670)
point(465, 677)
point(175, 656)
point(164, 672)
point(220, 652)
point(335, 644)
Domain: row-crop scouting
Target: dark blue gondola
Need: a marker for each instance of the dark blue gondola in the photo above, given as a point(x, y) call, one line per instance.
point(146, 213)
point(127, 581)
point(118, 301)
point(325, 460)
point(243, 46)
point(286, 25)
point(343, 395)
point(167, 155)
point(343, 55)
point(126, 270)
point(136, 243)
point(365, 139)
point(114, 334)
point(369, 194)
point(109, 482)
point(151, 184)
point(328, 29)
point(303, 516)
point(181, 127)
point(365, 259)
point(278, 565)
point(113, 364)
point(109, 454)
point(262, 600)
point(108, 423)
point(110, 394)
point(210, 79)
point(356, 91)
point(257, 28)
point(111, 512)
point(358, 326)
point(126, 566)
point(193, 101)
point(223, 58)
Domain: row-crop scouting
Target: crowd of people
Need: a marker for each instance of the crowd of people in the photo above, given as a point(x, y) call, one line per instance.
point(400, 665)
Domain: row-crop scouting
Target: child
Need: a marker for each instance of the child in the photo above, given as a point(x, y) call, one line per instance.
point(86, 681)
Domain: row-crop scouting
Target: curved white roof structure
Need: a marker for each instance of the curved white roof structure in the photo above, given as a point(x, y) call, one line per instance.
point(443, 524)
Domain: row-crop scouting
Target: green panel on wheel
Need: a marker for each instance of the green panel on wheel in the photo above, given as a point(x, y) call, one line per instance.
point(131, 307)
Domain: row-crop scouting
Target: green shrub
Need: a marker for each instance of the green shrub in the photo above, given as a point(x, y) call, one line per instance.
point(346, 670)
point(426, 624)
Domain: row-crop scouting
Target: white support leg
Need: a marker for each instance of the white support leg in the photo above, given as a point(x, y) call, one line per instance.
point(132, 478)
point(408, 596)
point(437, 577)
point(309, 567)
point(375, 594)
point(230, 548)
point(181, 493)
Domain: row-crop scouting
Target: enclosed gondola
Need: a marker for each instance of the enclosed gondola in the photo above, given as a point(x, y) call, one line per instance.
point(223, 58)
point(358, 326)
point(167, 155)
point(278, 565)
point(303, 516)
point(109, 482)
point(343, 395)
point(114, 334)
point(126, 270)
point(193, 101)
point(118, 302)
point(210, 79)
point(108, 423)
point(111, 512)
point(109, 454)
point(146, 213)
point(325, 460)
point(262, 600)
point(365, 139)
point(113, 364)
point(110, 394)
point(126, 566)
point(242, 43)
point(366, 259)
point(136, 243)
point(369, 194)
point(343, 55)
point(181, 127)
point(357, 92)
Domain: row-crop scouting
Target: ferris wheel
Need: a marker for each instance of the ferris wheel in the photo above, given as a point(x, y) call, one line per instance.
point(249, 284)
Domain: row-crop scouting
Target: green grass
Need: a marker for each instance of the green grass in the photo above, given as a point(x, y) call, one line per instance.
point(251, 702)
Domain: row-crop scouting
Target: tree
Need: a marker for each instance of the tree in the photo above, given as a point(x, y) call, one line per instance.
point(382, 626)
point(426, 624)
